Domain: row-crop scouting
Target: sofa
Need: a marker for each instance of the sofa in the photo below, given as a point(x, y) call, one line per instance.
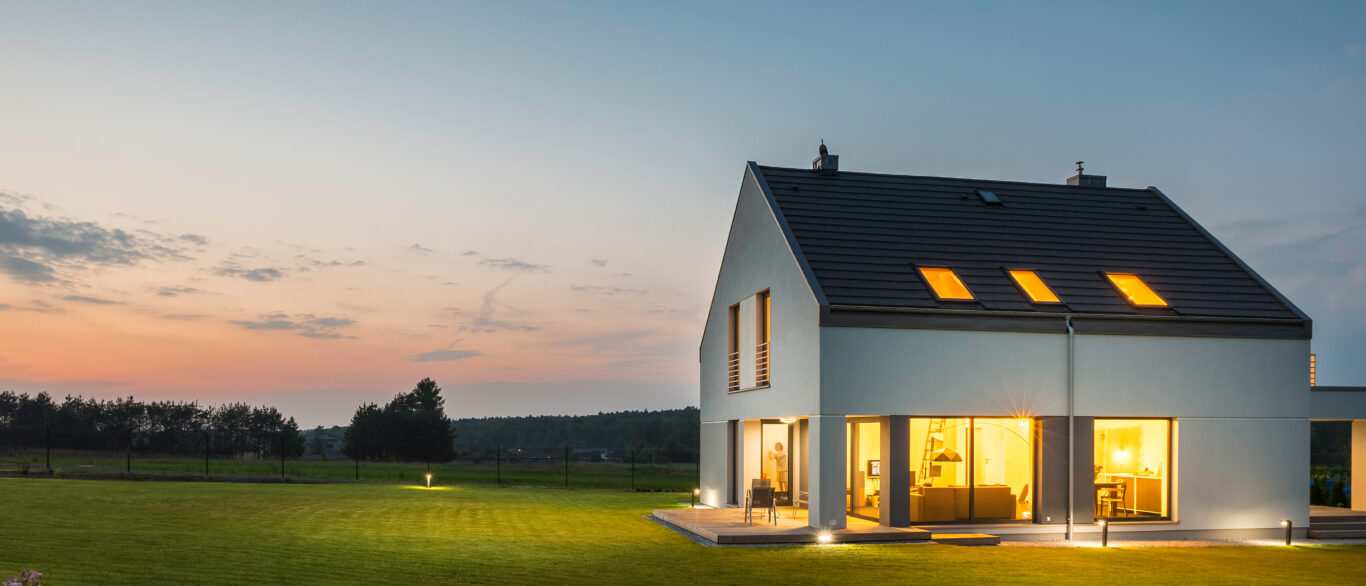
point(950, 503)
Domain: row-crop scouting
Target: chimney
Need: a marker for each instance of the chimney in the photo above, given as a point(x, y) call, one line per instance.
point(825, 163)
point(1084, 180)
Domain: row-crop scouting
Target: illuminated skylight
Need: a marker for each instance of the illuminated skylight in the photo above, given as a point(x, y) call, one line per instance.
point(946, 284)
point(1034, 287)
point(1136, 290)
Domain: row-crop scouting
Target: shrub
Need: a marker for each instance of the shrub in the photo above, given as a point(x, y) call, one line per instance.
point(26, 577)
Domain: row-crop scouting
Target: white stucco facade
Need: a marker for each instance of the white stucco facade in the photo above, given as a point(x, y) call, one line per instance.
point(1238, 406)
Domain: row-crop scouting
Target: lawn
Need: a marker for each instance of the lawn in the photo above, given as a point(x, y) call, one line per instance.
point(124, 532)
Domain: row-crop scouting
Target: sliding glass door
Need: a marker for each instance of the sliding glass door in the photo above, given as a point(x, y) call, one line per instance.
point(971, 469)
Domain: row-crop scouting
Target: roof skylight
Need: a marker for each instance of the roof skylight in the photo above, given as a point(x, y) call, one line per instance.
point(1033, 286)
point(946, 284)
point(1136, 290)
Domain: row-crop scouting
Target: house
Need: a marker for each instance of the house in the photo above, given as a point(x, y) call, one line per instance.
point(927, 350)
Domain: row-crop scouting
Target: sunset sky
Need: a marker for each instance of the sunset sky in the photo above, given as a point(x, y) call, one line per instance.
point(311, 205)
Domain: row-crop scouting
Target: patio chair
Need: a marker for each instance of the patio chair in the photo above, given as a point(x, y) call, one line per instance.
point(761, 498)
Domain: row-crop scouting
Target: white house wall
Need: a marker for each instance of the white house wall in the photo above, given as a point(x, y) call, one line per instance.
point(757, 257)
point(877, 371)
point(1241, 406)
point(1153, 376)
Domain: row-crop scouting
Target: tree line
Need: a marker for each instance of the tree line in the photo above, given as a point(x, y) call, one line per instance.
point(164, 427)
point(670, 433)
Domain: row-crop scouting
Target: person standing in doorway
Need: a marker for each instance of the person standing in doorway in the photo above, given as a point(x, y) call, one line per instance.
point(779, 458)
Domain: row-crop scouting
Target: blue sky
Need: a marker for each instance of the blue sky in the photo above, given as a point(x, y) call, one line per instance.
point(588, 155)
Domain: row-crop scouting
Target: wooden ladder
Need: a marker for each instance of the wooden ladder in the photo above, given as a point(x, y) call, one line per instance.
point(936, 426)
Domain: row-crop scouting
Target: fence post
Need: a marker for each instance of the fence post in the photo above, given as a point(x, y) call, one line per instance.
point(128, 446)
point(47, 446)
point(633, 470)
point(206, 453)
point(566, 466)
point(499, 456)
point(282, 455)
point(357, 459)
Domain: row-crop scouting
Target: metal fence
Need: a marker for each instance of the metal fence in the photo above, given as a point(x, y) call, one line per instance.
point(275, 457)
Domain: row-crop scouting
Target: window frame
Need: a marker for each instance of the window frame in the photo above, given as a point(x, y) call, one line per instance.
point(920, 270)
point(1108, 276)
point(1010, 274)
point(1171, 469)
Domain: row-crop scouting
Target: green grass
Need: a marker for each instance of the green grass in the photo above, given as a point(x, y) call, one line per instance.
point(122, 532)
point(612, 475)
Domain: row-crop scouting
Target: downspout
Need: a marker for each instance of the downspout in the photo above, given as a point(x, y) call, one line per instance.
point(1071, 424)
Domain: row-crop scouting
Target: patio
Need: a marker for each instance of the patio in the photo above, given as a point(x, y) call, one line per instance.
point(727, 526)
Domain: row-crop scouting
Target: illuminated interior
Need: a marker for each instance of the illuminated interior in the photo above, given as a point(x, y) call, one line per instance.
point(864, 482)
point(1034, 287)
point(971, 469)
point(776, 444)
point(946, 284)
point(1132, 472)
point(1136, 290)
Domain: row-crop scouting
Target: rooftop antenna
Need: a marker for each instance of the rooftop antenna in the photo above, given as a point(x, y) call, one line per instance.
point(1079, 167)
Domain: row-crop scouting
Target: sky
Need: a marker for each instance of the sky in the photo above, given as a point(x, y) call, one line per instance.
point(313, 205)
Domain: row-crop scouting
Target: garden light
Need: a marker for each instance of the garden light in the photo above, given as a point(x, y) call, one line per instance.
point(1288, 525)
point(825, 537)
point(695, 493)
point(1104, 533)
point(429, 480)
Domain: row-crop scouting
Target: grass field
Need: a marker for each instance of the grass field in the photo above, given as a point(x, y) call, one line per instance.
point(551, 472)
point(123, 532)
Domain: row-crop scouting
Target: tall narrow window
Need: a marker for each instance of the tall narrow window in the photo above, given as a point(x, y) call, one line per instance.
point(761, 348)
point(1313, 370)
point(733, 349)
point(946, 284)
point(1034, 287)
point(1136, 290)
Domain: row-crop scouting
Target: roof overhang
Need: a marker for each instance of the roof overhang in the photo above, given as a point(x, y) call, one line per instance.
point(1056, 323)
point(1337, 403)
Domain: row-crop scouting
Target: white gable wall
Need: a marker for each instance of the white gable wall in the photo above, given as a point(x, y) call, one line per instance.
point(757, 257)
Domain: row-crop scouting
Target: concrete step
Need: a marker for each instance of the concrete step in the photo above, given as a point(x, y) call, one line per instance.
point(966, 539)
point(1315, 520)
point(1336, 533)
point(1358, 524)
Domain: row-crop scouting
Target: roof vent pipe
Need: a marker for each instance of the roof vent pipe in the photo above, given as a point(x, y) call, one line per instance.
point(825, 163)
point(1084, 180)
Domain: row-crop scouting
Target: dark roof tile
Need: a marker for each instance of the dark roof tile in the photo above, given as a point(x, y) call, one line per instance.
point(863, 234)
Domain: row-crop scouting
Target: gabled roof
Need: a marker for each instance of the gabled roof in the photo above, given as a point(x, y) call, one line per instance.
point(863, 234)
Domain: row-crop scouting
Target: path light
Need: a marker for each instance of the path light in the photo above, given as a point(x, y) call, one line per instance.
point(1104, 533)
point(825, 537)
point(695, 493)
point(1287, 524)
point(429, 480)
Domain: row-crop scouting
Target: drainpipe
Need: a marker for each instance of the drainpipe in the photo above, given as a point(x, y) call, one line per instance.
point(1071, 424)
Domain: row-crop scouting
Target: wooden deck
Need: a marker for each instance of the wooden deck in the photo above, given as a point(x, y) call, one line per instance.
point(727, 526)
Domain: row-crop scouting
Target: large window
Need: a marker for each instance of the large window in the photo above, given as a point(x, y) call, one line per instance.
point(971, 469)
point(1133, 472)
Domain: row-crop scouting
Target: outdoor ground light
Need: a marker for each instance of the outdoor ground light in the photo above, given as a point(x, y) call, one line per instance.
point(429, 480)
point(1104, 533)
point(1288, 525)
point(695, 492)
point(825, 537)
